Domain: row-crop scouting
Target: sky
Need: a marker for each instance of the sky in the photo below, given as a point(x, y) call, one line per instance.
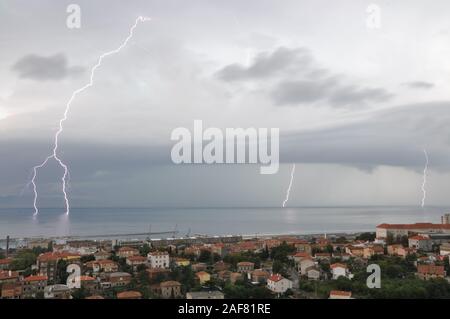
point(356, 106)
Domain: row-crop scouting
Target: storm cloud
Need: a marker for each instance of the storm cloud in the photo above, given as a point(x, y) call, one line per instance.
point(42, 68)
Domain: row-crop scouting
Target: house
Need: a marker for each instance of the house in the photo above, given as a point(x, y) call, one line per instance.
point(303, 247)
point(32, 285)
point(57, 292)
point(5, 263)
point(89, 283)
point(102, 255)
point(399, 250)
point(220, 265)
point(95, 297)
point(430, 271)
point(278, 284)
point(313, 273)
point(203, 276)
point(299, 256)
point(339, 294)
point(370, 251)
point(107, 265)
point(170, 289)
point(305, 264)
point(338, 270)
point(224, 275)
point(181, 262)
point(119, 279)
point(356, 251)
point(129, 295)
point(125, 252)
point(245, 266)
point(11, 291)
point(260, 276)
point(341, 256)
point(154, 273)
point(158, 259)
point(199, 267)
point(420, 243)
point(205, 295)
point(135, 261)
point(235, 276)
point(322, 256)
point(445, 249)
point(8, 276)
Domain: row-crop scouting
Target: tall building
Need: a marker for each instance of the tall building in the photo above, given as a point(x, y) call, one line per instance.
point(445, 219)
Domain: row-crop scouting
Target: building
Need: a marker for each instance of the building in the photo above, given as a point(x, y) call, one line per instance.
point(278, 284)
point(170, 289)
point(205, 295)
point(338, 270)
point(313, 273)
point(159, 259)
point(445, 219)
point(57, 292)
point(125, 252)
point(445, 249)
point(154, 273)
point(102, 255)
point(129, 295)
point(245, 266)
point(11, 291)
point(220, 265)
point(260, 276)
point(119, 279)
point(135, 261)
point(399, 250)
point(89, 283)
point(370, 251)
point(8, 276)
point(181, 262)
point(5, 263)
point(32, 285)
point(47, 263)
point(355, 251)
point(339, 294)
point(305, 264)
point(203, 276)
point(430, 271)
point(420, 243)
point(396, 230)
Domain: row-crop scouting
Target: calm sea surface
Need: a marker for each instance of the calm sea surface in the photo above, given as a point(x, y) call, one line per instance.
point(209, 221)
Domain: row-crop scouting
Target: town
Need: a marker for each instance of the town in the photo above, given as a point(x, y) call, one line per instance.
point(413, 259)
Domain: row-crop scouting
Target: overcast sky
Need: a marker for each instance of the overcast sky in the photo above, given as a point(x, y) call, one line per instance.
point(356, 106)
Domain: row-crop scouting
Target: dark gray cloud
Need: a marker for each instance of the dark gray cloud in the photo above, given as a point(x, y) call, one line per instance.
point(419, 85)
point(36, 67)
point(299, 79)
point(356, 96)
point(268, 64)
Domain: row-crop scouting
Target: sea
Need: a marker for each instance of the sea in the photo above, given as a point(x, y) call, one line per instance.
point(182, 222)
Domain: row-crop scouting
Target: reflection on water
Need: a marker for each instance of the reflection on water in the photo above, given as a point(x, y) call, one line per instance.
point(212, 221)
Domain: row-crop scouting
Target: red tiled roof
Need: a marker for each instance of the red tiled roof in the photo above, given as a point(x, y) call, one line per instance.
point(137, 258)
point(431, 270)
point(6, 274)
point(414, 226)
point(86, 278)
point(36, 278)
point(129, 294)
point(332, 266)
point(170, 283)
point(340, 293)
point(245, 263)
point(418, 237)
point(276, 277)
point(5, 261)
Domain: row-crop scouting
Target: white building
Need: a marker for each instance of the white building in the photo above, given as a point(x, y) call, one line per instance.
point(420, 243)
point(339, 270)
point(158, 259)
point(278, 284)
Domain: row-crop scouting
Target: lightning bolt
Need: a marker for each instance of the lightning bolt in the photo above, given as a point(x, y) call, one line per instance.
point(290, 185)
point(54, 154)
point(424, 183)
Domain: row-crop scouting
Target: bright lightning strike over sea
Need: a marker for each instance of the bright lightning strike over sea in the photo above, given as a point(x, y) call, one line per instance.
point(424, 183)
point(290, 185)
point(54, 154)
